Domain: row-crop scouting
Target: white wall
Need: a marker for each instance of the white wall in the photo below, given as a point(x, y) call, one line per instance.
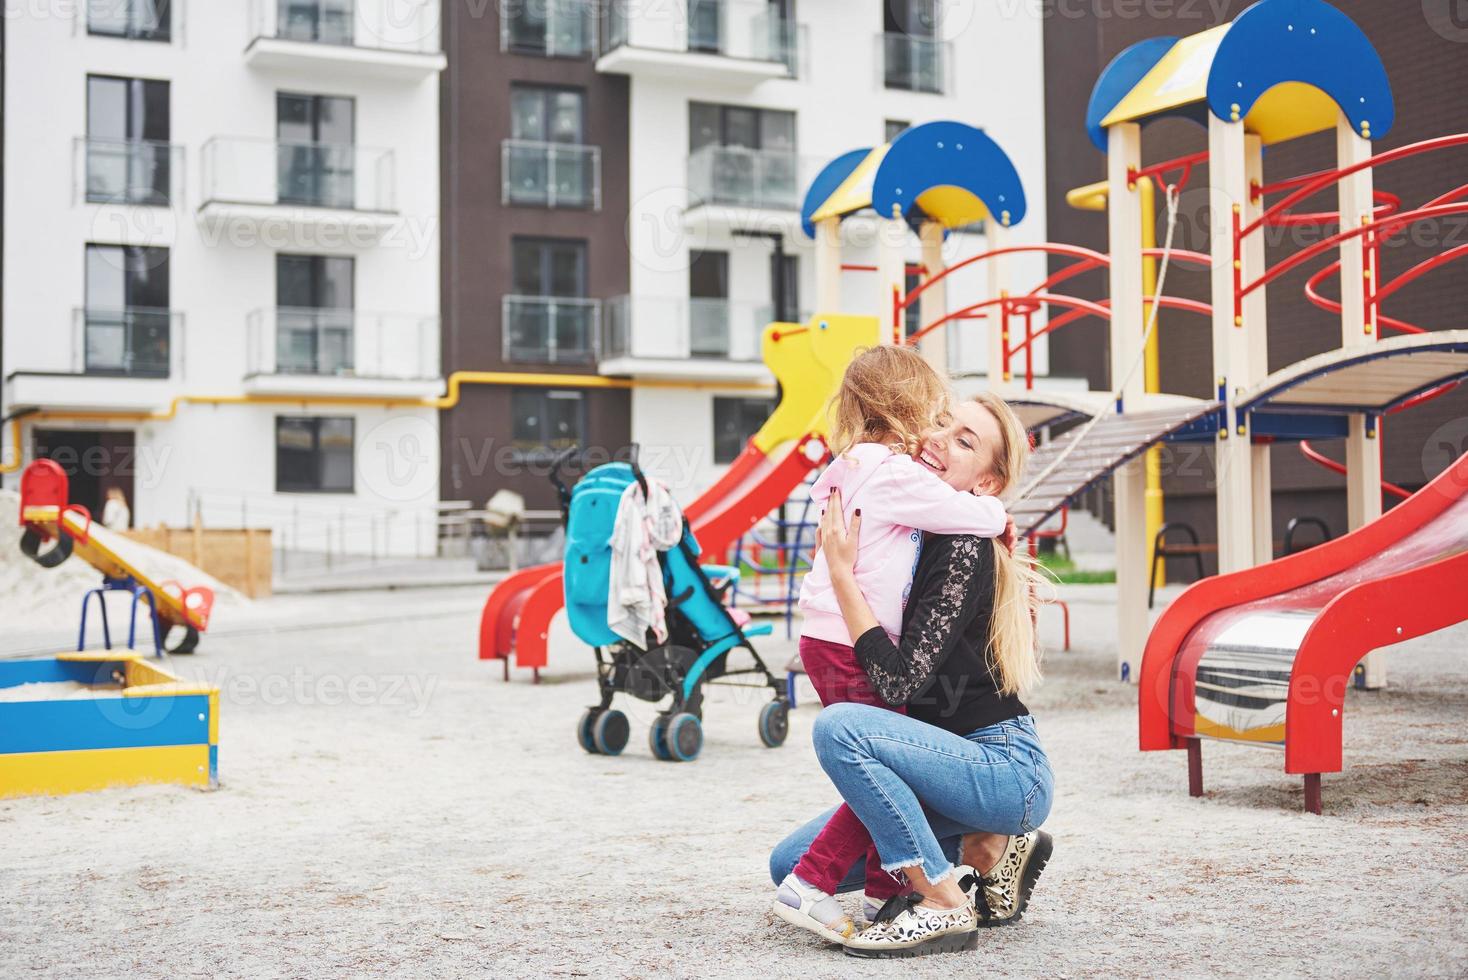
point(218, 276)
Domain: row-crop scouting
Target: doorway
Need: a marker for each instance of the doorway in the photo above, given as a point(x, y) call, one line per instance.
point(94, 460)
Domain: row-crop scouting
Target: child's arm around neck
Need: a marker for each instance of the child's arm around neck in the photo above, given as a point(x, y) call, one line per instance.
point(905, 492)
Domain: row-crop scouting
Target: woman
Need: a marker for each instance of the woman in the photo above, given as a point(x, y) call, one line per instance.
point(961, 777)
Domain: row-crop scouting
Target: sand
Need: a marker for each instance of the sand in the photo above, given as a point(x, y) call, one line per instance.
point(390, 807)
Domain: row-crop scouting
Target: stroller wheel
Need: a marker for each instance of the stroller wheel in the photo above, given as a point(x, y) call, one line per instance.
point(774, 723)
point(685, 737)
point(584, 728)
point(657, 739)
point(610, 732)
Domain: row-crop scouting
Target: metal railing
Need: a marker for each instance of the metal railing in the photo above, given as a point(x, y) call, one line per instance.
point(136, 20)
point(246, 170)
point(735, 175)
point(551, 329)
point(387, 25)
point(684, 327)
point(551, 28)
point(319, 342)
point(132, 342)
point(147, 172)
point(550, 175)
point(915, 64)
point(744, 29)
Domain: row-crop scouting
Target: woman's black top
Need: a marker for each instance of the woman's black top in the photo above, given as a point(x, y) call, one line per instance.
point(941, 670)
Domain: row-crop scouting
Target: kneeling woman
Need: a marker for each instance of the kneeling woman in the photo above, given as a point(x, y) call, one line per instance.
point(961, 777)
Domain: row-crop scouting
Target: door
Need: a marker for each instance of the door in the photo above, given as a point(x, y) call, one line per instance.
point(95, 461)
point(128, 130)
point(315, 319)
point(316, 155)
point(708, 305)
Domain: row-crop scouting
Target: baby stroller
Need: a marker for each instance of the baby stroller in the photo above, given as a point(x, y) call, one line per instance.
point(702, 631)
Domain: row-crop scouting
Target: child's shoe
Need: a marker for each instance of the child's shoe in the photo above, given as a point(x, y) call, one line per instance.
point(811, 909)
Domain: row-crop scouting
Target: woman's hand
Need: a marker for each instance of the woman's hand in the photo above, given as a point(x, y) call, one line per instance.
point(839, 542)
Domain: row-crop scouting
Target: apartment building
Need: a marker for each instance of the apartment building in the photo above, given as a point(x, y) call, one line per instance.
point(221, 269)
point(681, 138)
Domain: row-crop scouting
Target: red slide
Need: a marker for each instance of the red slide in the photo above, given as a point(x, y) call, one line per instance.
point(518, 613)
point(1265, 655)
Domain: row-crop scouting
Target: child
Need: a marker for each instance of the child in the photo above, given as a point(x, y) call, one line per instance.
point(889, 399)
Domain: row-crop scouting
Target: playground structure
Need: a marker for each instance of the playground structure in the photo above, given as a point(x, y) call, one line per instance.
point(138, 724)
point(1282, 70)
point(49, 519)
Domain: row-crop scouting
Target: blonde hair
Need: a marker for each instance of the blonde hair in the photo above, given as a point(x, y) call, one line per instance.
point(1013, 650)
point(889, 395)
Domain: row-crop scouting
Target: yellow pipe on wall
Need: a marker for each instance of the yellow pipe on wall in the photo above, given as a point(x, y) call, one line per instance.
point(448, 400)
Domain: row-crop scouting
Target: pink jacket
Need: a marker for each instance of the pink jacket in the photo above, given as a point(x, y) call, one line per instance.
point(899, 500)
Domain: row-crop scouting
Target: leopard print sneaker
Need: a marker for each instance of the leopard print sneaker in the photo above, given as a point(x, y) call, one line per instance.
point(905, 928)
point(1001, 896)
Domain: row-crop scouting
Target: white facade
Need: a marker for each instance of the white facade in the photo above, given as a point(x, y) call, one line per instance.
point(990, 69)
point(204, 425)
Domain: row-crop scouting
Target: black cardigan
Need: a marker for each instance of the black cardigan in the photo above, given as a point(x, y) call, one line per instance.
point(941, 669)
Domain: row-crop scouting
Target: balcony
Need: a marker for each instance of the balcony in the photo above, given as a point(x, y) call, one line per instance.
point(133, 172)
point(550, 329)
point(915, 64)
point(733, 42)
point(123, 359)
point(684, 337)
point(307, 195)
point(550, 175)
point(317, 351)
point(376, 39)
point(546, 28)
point(732, 187)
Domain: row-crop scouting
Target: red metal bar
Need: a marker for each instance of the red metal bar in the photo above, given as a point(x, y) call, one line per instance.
point(1238, 269)
point(1426, 396)
point(1315, 456)
point(853, 267)
point(1159, 170)
point(1029, 350)
point(1313, 294)
point(1166, 302)
point(1418, 271)
point(1047, 248)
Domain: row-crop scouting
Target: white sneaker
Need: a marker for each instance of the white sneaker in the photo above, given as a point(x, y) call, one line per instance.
point(1001, 896)
point(811, 909)
point(917, 930)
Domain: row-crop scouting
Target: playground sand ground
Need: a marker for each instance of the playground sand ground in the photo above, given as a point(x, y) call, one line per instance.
point(390, 807)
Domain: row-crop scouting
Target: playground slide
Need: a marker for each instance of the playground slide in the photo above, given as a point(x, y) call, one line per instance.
point(47, 516)
point(808, 362)
point(1265, 655)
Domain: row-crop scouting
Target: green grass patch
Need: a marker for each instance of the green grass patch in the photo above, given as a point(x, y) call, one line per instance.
point(1066, 573)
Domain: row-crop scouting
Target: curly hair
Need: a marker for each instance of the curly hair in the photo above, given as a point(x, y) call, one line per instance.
point(888, 395)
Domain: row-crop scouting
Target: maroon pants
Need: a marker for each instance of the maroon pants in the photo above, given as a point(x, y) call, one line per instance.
point(838, 678)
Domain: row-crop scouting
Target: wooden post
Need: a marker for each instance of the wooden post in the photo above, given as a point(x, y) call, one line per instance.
point(1195, 767)
point(891, 273)
point(1234, 457)
point(1256, 334)
point(250, 589)
point(1358, 328)
point(933, 303)
point(828, 265)
point(196, 551)
point(1124, 221)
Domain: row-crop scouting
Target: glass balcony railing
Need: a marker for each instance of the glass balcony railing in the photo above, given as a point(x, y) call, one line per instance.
point(340, 343)
point(547, 28)
point(133, 342)
point(683, 328)
point(551, 329)
point(136, 20)
point(550, 175)
point(742, 29)
point(319, 175)
point(740, 177)
point(144, 172)
point(915, 64)
point(388, 25)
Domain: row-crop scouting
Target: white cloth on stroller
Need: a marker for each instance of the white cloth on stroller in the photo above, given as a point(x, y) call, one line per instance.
point(637, 600)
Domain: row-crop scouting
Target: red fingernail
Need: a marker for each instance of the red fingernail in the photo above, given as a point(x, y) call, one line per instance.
point(858, 512)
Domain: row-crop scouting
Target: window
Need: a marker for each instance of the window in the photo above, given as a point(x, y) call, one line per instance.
point(547, 165)
point(323, 21)
point(708, 304)
point(785, 287)
point(546, 421)
point(317, 159)
point(706, 26)
point(138, 20)
point(547, 28)
point(742, 156)
point(314, 317)
point(894, 129)
point(912, 317)
point(912, 53)
point(735, 420)
point(128, 156)
point(314, 455)
point(125, 325)
point(548, 318)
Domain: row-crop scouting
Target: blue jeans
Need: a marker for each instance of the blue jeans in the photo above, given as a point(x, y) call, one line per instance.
point(919, 789)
